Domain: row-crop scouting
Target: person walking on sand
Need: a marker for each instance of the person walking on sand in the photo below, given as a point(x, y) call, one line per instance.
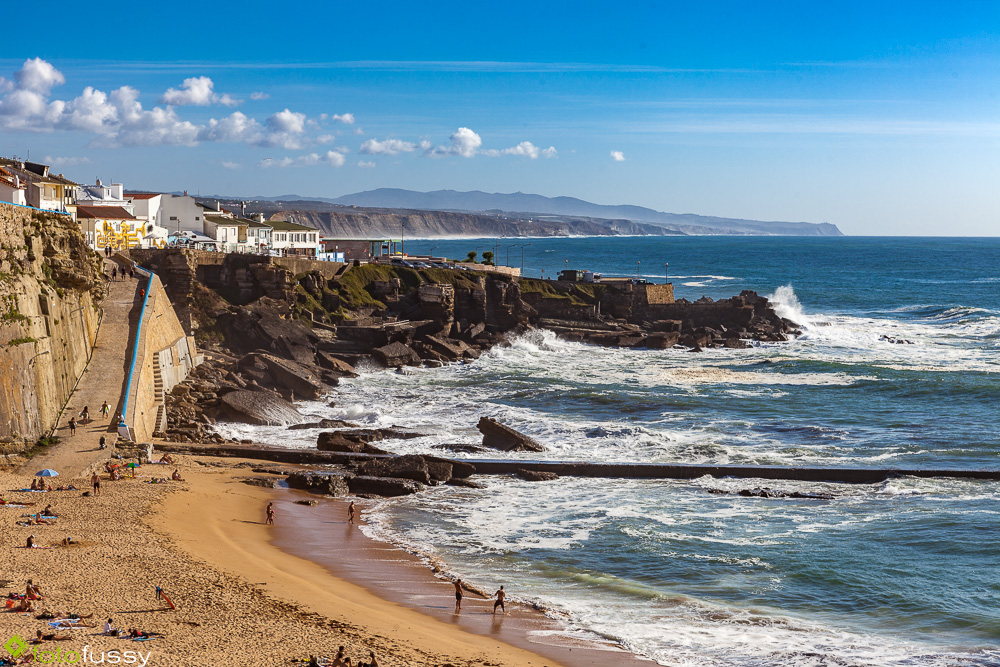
point(105, 409)
point(269, 521)
point(114, 273)
point(500, 595)
point(85, 415)
point(95, 480)
point(350, 513)
point(458, 595)
point(72, 425)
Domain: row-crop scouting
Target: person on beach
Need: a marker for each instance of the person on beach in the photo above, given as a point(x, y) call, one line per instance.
point(33, 592)
point(109, 628)
point(372, 662)
point(95, 481)
point(103, 442)
point(177, 478)
point(458, 595)
point(50, 637)
point(85, 415)
point(500, 595)
point(114, 273)
point(269, 521)
point(72, 425)
point(350, 513)
point(31, 542)
point(105, 410)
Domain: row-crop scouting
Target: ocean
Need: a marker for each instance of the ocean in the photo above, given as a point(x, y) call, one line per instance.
point(903, 572)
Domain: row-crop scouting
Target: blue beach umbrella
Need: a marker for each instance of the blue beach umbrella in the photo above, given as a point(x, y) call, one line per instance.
point(48, 472)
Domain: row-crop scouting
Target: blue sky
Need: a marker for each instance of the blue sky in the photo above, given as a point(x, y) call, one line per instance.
point(883, 118)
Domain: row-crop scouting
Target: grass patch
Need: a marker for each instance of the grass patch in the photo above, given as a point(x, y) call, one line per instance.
point(21, 341)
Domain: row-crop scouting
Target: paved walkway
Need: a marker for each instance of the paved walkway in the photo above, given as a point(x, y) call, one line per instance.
point(102, 381)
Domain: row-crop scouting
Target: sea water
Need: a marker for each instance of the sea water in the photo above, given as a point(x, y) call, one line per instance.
point(903, 572)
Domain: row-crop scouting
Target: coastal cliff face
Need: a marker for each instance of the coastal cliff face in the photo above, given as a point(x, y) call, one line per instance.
point(50, 282)
point(392, 223)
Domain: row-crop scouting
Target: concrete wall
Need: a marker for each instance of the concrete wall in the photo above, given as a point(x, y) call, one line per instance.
point(164, 358)
point(47, 331)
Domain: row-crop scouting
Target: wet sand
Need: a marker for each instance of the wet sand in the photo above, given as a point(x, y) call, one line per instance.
point(322, 534)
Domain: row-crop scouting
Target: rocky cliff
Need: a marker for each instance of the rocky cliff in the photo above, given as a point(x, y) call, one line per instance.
point(380, 223)
point(50, 283)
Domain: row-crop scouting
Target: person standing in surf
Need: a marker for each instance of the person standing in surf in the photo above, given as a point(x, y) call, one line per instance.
point(500, 595)
point(350, 513)
point(269, 521)
point(458, 596)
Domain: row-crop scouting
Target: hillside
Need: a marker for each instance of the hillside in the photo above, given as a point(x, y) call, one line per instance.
point(352, 222)
point(523, 204)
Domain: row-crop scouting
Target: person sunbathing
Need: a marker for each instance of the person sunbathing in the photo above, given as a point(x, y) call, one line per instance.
point(166, 459)
point(109, 629)
point(176, 477)
point(74, 623)
point(48, 511)
point(50, 637)
point(139, 634)
point(31, 542)
point(34, 485)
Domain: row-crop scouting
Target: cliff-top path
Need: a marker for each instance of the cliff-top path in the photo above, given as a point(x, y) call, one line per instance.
point(102, 381)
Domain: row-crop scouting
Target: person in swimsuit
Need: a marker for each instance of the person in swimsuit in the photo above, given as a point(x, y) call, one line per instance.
point(350, 513)
point(458, 596)
point(95, 480)
point(270, 515)
point(500, 595)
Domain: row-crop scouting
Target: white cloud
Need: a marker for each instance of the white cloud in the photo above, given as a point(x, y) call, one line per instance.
point(236, 127)
point(286, 129)
point(326, 138)
point(346, 119)
point(259, 95)
point(617, 156)
point(526, 149)
point(464, 142)
point(387, 147)
point(197, 91)
point(366, 164)
point(38, 76)
point(357, 131)
point(231, 165)
point(66, 161)
point(330, 158)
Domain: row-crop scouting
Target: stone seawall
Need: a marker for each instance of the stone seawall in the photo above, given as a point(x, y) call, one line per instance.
point(49, 284)
point(165, 356)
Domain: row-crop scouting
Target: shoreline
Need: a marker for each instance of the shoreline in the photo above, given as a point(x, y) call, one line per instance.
point(395, 574)
point(232, 537)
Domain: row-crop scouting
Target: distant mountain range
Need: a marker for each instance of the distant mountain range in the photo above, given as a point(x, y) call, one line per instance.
point(521, 205)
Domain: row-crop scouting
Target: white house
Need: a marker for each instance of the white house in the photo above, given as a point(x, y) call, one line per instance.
point(259, 237)
point(113, 226)
point(229, 232)
point(181, 213)
point(102, 195)
point(42, 189)
point(293, 240)
point(11, 188)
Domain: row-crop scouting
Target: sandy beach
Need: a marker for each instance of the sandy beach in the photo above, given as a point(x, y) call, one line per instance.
point(238, 597)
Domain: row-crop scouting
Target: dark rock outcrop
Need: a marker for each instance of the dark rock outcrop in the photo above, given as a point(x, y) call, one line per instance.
point(323, 423)
point(536, 475)
point(328, 484)
point(256, 407)
point(383, 486)
point(498, 436)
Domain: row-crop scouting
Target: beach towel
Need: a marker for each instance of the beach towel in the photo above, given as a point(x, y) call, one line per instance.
point(142, 639)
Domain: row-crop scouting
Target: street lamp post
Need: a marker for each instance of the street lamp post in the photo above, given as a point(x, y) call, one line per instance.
point(636, 269)
point(402, 238)
point(666, 273)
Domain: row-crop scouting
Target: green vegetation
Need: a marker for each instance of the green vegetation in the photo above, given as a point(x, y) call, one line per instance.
point(488, 258)
point(13, 314)
point(41, 447)
point(471, 257)
point(21, 341)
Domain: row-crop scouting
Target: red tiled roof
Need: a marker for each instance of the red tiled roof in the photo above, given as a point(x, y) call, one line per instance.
point(110, 212)
point(6, 178)
point(142, 195)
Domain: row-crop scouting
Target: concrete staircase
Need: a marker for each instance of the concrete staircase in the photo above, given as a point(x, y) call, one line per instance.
point(160, 426)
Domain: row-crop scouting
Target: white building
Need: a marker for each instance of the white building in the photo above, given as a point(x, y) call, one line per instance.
point(229, 232)
point(41, 189)
point(181, 213)
point(102, 195)
point(110, 226)
point(259, 237)
point(11, 188)
point(293, 240)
